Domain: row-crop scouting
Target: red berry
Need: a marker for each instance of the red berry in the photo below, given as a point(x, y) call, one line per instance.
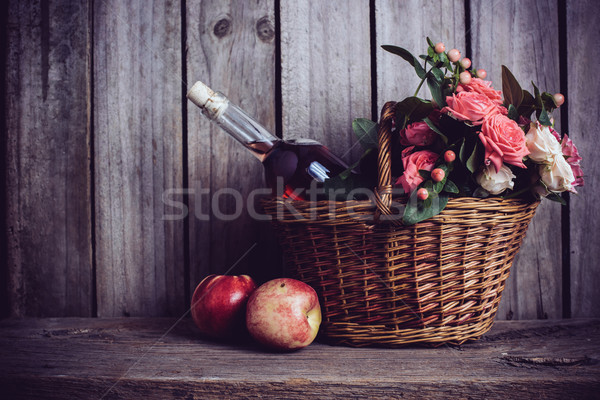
point(437, 174)
point(465, 77)
point(559, 99)
point(454, 55)
point(465, 63)
point(422, 194)
point(440, 48)
point(481, 73)
point(449, 156)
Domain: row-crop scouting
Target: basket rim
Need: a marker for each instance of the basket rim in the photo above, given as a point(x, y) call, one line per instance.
point(285, 210)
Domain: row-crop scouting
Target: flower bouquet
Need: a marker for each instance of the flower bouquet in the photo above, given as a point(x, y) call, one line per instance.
point(472, 140)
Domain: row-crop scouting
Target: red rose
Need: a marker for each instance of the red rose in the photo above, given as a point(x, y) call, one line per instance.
point(413, 162)
point(504, 141)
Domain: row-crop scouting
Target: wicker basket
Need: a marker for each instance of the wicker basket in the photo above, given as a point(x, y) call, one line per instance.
point(385, 284)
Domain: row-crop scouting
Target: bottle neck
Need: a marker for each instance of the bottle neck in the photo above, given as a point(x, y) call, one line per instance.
point(233, 120)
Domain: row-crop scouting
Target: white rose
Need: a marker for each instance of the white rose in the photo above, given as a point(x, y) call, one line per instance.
point(496, 182)
point(541, 143)
point(557, 176)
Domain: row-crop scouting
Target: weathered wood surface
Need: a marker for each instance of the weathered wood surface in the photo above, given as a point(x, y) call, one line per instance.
point(525, 39)
point(162, 358)
point(584, 89)
point(231, 47)
point(325, 71)
point(137, 156)
point(49, 260)
point(407, 24)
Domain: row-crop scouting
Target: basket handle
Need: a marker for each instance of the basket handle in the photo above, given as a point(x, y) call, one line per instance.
point(383, 194)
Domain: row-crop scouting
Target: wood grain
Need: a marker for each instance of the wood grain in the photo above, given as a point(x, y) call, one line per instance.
point(114, 130)
point(407, 24)
point(524, 37)
point(138, 156)
point(48, 171)
point(583, 104)
point(164, 358)
point(325, 71)
point(230, 47)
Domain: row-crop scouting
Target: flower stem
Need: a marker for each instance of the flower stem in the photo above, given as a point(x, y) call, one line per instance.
point(420, 84)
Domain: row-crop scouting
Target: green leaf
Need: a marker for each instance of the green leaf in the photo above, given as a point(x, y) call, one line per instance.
point(480, 193)
point(466, 148)
point(451, 187)
point(541, 112)
point(476, 158)
point(417, 210)
point(444, 59)
point(406, 55)
point(438, 75)
point(366, 132)
point(436, 91)
point(439, 186)
point(544, 118)
point(426, 175)
point(556, 197)
point(414, 108)
point(513, 113)
point(430, 43)
point(513, 93)
point(434, 128)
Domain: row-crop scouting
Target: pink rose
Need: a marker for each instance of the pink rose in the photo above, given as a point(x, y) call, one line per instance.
point(413, 162)
point(578, 174)
point(569, 150)
point(485, 88)
point(573, 158)
point(471, 106)
point(504, 141)
point(417, 134)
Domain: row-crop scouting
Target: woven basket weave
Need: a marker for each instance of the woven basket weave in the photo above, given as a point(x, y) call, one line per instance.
point(381, 283)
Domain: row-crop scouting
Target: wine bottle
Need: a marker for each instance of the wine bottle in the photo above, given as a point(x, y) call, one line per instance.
point(291, 166)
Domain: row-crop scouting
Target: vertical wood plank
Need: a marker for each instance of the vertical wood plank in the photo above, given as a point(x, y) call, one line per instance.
point(407, 24)
point(583, 107)
point(138, 155)
point(325, 71)
point(523, 35)
point(48, 172)
point(231, 47)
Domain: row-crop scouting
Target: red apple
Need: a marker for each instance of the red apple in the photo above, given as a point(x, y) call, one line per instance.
point(284, 314)
point(219, 305)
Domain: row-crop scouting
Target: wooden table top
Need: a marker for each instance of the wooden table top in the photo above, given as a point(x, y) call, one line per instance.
point(87, 358)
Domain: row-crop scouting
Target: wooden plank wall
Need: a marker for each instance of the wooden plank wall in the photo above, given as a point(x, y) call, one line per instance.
point(104, 155)
point(534, 288)
point(48, 178)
